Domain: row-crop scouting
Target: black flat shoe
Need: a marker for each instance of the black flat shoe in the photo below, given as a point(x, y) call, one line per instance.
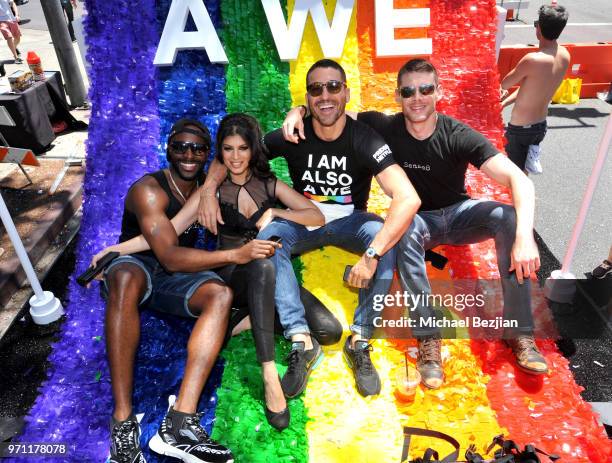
point(278, 420)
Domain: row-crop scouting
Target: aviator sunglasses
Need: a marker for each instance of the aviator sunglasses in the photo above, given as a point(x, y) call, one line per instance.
point(333, 87)
point(424, 89)
point(181, 147)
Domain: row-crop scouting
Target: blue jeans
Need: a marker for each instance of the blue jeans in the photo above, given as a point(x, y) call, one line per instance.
point(353, 233)
point(466, 222)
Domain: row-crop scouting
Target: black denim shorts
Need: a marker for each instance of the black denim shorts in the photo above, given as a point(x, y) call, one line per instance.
point(166, 292)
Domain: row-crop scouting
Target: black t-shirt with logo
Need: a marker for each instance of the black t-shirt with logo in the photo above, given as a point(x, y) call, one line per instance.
point(333, 172)
point(436, 166)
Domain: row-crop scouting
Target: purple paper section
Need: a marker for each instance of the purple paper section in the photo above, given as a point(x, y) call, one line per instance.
point(74, 404)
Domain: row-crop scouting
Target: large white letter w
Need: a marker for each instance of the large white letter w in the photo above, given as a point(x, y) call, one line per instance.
point(288, 39)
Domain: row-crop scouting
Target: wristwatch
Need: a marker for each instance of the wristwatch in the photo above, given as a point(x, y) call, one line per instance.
point(372, 254)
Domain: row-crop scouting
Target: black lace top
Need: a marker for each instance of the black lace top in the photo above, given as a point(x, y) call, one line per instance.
point(239, 229)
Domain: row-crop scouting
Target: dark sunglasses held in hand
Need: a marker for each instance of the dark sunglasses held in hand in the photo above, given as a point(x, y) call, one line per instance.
point(316, 88)
point(181, 147)
point(424, 89)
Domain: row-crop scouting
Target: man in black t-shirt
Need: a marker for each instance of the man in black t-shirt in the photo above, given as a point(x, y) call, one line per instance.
point(435, 151)
point(334, 169)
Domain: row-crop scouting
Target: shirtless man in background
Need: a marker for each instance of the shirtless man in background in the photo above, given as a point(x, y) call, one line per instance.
point(538, 75)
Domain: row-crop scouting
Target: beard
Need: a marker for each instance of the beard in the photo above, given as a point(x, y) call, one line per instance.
point(186, 176)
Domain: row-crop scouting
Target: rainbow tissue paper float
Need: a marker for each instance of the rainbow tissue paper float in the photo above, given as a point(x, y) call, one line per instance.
point(134, 104)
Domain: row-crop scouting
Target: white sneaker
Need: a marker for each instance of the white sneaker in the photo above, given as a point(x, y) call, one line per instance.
point(532, 163)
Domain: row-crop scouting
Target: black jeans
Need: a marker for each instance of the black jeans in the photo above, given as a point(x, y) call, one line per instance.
point(520, 138)
point(253, 285)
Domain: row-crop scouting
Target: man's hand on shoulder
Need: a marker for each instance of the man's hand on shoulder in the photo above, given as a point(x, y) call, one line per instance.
point(294, 121)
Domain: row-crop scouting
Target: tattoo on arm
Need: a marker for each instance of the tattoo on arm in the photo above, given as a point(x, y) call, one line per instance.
point(151, 199)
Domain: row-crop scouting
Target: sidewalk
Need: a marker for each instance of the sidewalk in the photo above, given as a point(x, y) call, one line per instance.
point(39, 42)
point(46, 223)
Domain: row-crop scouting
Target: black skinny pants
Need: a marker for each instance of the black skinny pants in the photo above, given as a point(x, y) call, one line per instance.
point(253, 285)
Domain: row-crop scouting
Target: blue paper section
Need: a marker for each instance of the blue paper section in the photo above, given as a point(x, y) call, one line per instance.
point(193, 87)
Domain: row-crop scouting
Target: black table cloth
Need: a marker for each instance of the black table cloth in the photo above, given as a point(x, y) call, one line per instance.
point(33, 110)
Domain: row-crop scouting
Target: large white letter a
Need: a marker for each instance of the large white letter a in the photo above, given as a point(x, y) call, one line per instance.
point(174, 37)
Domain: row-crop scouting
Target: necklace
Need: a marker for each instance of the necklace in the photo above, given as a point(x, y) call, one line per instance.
point(178, 190)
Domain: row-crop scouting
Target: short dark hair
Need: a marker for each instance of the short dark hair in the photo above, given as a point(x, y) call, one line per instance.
point(248, 128)
point(552, 21)
point(417, 65)
point(326, 63)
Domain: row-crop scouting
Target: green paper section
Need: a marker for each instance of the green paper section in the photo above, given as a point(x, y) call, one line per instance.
point(257, 84)
point(240, 420)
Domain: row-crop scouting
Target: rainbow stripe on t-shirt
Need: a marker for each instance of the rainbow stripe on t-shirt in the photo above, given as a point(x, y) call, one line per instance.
point(347, 199)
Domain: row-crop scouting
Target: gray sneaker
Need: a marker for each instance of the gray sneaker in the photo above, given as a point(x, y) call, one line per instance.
point(358, 359)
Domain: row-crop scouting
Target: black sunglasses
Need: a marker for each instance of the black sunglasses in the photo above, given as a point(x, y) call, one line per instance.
point(535, 23)
point(181, 147)
point(333, 87)
point(424, 89)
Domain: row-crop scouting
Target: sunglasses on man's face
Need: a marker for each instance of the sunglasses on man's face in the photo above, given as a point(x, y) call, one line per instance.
point(333, 86)
point(181, 147)
point(410, 90)
point(535, 23)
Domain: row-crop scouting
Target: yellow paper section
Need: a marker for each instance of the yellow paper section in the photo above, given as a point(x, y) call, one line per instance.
point(345, 426)
point(310, 52)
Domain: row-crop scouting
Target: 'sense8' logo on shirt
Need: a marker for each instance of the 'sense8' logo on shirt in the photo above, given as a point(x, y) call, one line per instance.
point(326, 179)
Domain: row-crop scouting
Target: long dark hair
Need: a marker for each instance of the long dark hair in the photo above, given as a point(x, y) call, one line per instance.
point(248, 128)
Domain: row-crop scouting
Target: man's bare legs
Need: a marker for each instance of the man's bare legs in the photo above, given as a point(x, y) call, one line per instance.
point(212, 301)
point(126, 284)
point(12, 44)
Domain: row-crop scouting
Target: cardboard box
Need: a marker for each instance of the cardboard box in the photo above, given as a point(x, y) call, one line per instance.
point(20, 80)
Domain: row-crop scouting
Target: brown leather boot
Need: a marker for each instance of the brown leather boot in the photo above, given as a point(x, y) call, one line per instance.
point(429, 362)
point(528, 357)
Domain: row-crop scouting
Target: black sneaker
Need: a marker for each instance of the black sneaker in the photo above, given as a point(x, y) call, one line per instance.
point(182, 436)
point(602, 270)
point(17, 51)
point(300, 364)
point(366, 377)
point(125, 442)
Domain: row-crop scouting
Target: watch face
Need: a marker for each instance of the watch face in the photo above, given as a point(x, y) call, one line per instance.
point(370, 252)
